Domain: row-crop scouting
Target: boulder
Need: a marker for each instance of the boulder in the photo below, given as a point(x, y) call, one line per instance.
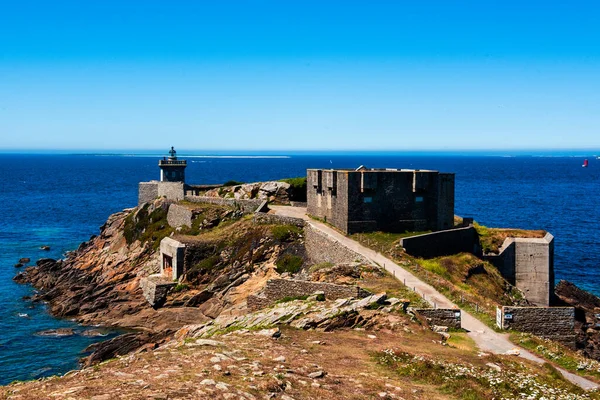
point(45, 261)
point(93, 333)
point(316, 296)
point(45, 248)
point(317, 374)
point(121, 345)
point(199, 298)
point(57, 332)
point(274, 332)
point(24, 260)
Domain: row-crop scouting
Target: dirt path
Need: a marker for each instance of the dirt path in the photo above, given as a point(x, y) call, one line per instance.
point(486, 339)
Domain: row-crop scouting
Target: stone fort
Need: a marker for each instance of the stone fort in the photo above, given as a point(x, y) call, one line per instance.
point(389, 200)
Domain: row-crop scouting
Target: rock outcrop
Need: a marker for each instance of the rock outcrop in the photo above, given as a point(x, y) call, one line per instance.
point(587, 317)
point(273, 191)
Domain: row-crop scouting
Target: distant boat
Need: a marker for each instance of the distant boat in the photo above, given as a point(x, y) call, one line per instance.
point(585, 163)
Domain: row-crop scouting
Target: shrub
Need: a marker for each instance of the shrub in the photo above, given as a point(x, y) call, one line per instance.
point(208, 263)
point(145, 226)
point(180, 287)
point(285, 232)
point(289, 263)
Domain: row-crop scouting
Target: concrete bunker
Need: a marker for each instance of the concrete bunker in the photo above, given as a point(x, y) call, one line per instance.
point(528, 263)
point(172, 254)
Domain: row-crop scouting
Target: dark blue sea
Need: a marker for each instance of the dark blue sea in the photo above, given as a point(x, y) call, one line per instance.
point(60, 200)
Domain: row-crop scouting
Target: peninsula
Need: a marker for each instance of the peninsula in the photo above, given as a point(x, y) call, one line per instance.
point(349, 283)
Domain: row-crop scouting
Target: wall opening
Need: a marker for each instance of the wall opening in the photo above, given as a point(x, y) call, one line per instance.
point(167, 265)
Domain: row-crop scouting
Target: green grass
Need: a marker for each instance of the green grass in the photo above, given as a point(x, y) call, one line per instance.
point(469, 382)
point(383, 241)
point(285, 233)
point(147, 227)
point(289, 263)
point(558, 354)
point(434, 266)
point(323, 265)
point(492, 239)
point(180, 287)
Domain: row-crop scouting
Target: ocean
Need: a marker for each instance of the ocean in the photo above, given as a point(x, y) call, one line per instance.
point(60, 200)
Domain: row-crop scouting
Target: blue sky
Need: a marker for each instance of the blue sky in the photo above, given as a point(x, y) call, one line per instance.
point(299, 75)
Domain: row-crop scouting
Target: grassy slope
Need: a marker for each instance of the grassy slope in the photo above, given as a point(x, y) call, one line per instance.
point(470, 282)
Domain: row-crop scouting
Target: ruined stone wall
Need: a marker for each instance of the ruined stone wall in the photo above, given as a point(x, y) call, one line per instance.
point(277, 289)
point(179, 216)
point(147, 192)
point(441, 316)
point(246, 205)
point(321, 248)
point(262, 218)
point(555, 323)
point(442, 243)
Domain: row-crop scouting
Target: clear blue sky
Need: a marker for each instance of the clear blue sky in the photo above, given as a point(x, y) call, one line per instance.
point(280, 75)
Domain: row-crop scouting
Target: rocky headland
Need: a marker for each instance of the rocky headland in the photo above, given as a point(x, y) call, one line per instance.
point(204, 341)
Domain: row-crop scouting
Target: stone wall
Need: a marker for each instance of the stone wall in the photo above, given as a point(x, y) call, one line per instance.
point(321, 248)
point(147, 192)
point(246, 205)
point(262, 218)
point(179, 216)
point(277, 289)
point(442, 243)
point(171, 190)
point(440, 316)
point(155, 289)
point(555, 323)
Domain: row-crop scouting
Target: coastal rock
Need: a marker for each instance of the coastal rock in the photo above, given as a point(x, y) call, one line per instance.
point(199, 298)
point(587, 316)
point(57, 332)
point(272, 190)
point(45, 248)
point(92, 333)
point(24, 260)
point(18, 265)
point(121, 345)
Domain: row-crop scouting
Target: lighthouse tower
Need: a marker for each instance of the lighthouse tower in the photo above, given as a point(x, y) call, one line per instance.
point(172, 169)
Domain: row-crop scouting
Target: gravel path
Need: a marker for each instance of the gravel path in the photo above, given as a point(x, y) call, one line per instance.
point(486, 339)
